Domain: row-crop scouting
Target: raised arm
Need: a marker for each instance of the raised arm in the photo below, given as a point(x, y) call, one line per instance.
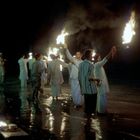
point(108, 56)
point(68, 54)
point(62, 63)
point(111, 53)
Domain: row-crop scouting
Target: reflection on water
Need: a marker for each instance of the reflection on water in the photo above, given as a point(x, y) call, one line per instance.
point(54, 118)
point(95, 127)
point(30, 110)
point(35, 117)
point(25, 103)
point(57, 117)
point(71, 124)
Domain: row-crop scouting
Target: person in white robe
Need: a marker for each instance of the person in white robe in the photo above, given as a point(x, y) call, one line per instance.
point(44, 73)
point(30, 64)
point(73, 77)
point(103, 86)
point(55, 76)
point(23, 75)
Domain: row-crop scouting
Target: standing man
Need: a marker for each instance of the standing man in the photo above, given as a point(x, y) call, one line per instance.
point(74, 82)
point(23, 75)
point(103, 87)
point(87, 83)
point(44, 73)
point(55, 75)
point(38, 68)
point(30, 64)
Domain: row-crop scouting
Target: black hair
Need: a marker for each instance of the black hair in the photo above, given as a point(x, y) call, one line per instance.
point(87, 53)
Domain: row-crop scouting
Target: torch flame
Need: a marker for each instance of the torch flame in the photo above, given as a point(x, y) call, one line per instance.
point(30, 55)
point(129, 30)
point(93, 54)
point(3, 124)
point(52, 51)
point(55, 51)
point(61, 38)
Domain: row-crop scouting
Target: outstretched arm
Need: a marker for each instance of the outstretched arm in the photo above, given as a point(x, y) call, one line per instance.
point(111, 53)
point(62, 63)
point(108, 56)
point(68, 54)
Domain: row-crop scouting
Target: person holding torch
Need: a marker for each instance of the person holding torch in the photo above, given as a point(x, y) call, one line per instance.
point(102, 87)
point(55, 77)
point(74, 82)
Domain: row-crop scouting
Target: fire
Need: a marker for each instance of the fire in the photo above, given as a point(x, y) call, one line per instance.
point(30, 55)
point(3, 124)
point(129, 30)
point(93, 54)
point(55, 51)
point(52, 51)
point(61, 38)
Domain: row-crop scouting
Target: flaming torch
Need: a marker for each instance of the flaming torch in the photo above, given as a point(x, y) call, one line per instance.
point(52, 51)
point(129, 30)
point(30, 55)
point(61, 38)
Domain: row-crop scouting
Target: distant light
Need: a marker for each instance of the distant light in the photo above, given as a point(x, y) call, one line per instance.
point(3, 124)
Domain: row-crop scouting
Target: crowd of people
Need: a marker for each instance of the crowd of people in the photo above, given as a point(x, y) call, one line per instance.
point(88, 80)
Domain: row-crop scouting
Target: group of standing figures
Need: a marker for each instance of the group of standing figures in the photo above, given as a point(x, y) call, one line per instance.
point(88, 81)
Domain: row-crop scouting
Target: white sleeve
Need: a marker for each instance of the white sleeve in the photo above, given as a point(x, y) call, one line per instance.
point(102, 62)
point(70, 57)
point(62, 63)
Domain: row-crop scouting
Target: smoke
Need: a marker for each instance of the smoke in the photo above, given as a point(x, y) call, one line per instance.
point(76, 20)
point(94, 16)
point(91, 24)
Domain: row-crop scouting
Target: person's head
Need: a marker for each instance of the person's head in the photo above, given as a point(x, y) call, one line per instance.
point(38, 56)
point(78, 55)
point(88, 54)
point(97, 57)
point(53, 56)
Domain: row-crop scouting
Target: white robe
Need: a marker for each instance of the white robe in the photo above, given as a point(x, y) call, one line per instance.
point(103, 89)
point(30, 62)
point(55, 75)
point(44, 74)
point(74, 82)
point(23, 75)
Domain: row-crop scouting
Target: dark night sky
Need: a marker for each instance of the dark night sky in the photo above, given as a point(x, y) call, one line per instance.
point(94, 23)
